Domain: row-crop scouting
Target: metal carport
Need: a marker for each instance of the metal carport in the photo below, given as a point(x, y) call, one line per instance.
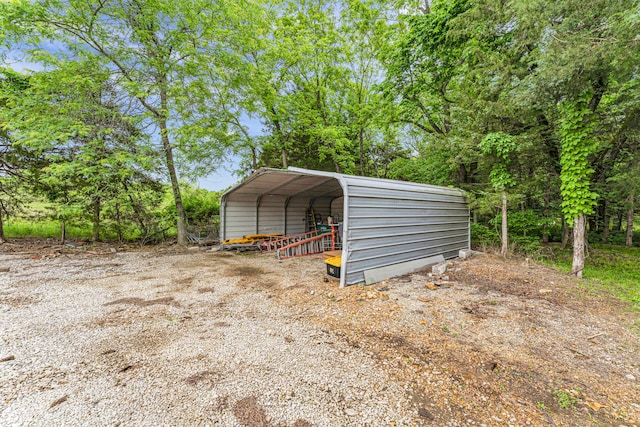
point(385, 223)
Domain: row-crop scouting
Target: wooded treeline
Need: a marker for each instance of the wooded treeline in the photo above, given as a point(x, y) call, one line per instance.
point(531, 106)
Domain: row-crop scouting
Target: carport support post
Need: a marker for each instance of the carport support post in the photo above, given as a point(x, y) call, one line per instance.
point(345, 232)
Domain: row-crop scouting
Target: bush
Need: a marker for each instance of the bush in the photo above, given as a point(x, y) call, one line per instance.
point(483, 235)
point(617, 238)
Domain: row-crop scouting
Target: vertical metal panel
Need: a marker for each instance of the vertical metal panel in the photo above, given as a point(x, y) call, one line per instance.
point(240, 216)
point(337, 208)
point(270, 217)
point(296, 212)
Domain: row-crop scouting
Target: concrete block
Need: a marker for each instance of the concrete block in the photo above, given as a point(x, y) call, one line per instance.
point(381, 273)
point(439, 268)
point(465, 253)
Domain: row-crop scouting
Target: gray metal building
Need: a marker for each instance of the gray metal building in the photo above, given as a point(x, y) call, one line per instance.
point(387, 225)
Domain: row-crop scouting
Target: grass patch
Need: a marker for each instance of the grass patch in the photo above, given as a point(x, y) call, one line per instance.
point(607, 267)
point(564, 399)
point(20, 228)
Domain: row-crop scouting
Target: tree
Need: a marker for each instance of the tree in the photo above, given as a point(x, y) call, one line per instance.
point(501, 147)
point(14, 160)
point(151, 46)
point(73, 117)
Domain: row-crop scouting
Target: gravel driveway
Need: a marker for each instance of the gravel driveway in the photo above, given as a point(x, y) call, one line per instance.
point(186, 337)
point(177, 339)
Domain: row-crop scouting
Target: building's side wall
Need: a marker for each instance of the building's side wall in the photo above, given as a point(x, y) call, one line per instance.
point(336, 209)
point(271, 215)
point(398, 223)
point(296, 213)
point(239, 217)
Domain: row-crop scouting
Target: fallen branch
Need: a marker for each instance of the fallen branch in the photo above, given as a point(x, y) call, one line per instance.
point(577, 352)
point(594, 335)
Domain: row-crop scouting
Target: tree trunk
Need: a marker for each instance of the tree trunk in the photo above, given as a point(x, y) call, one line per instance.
point(361, 143)
point(505, 237)
point(618, 226)
point(545, 210)
point(96, 220)
point(138, 213)
point(285, 160)
point(578, 246)
point(63, 232)
point(475, 217)
point(2, 238)
point(171, 167)
point(254, 158)
point(118, 223)
point(276, 124)
point(629, 241)
point(606, 220)
point(566, 231)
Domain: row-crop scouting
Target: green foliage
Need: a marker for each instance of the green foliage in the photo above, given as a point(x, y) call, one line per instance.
point(501, 146)
point(200, 205)
point(431, 166)
point(483, 235)
point(21, 228)
point(609, 268)
point(534, 100)
point(577, 145)
point(564, 399)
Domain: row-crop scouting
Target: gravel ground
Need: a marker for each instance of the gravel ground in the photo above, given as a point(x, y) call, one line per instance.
point(166, 337)
point(140, 339)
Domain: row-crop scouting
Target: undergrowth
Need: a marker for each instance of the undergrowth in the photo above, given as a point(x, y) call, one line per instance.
point(615, 269)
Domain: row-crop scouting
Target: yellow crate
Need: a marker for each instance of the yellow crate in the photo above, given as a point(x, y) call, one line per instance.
point(333, 266)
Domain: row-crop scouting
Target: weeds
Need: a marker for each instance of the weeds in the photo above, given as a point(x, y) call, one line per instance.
point(564, 400)
point(610, 268)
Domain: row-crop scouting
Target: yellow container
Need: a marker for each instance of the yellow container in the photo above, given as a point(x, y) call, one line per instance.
point(333, 266)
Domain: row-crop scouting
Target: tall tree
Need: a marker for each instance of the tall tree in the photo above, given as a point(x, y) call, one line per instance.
point(151, 46)
point(501, 146)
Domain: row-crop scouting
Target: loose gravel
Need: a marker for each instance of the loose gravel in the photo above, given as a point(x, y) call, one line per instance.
point(179, 339)
point(170, 337)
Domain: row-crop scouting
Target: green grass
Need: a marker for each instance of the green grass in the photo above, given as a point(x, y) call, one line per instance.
point(615, 269)
point(564, 399)
point(22, 228)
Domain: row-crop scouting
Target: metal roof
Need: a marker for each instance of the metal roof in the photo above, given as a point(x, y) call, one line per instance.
point(292, 181)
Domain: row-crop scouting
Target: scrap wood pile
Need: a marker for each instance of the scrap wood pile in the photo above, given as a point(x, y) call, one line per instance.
point(250, 242)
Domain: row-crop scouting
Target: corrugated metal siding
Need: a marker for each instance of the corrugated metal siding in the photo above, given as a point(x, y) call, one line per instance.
point(337, 207)
point(391, 223)
point(296, 214)
point(240, 217)
point(271, 214)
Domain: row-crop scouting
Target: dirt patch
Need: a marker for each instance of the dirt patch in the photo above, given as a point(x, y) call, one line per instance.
point(184, 281)
point(207, 378)
point(19, 301)
point(250, 414)
point(139, 302)
point(492, 336)
point(245, 271)
point(508, 343)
